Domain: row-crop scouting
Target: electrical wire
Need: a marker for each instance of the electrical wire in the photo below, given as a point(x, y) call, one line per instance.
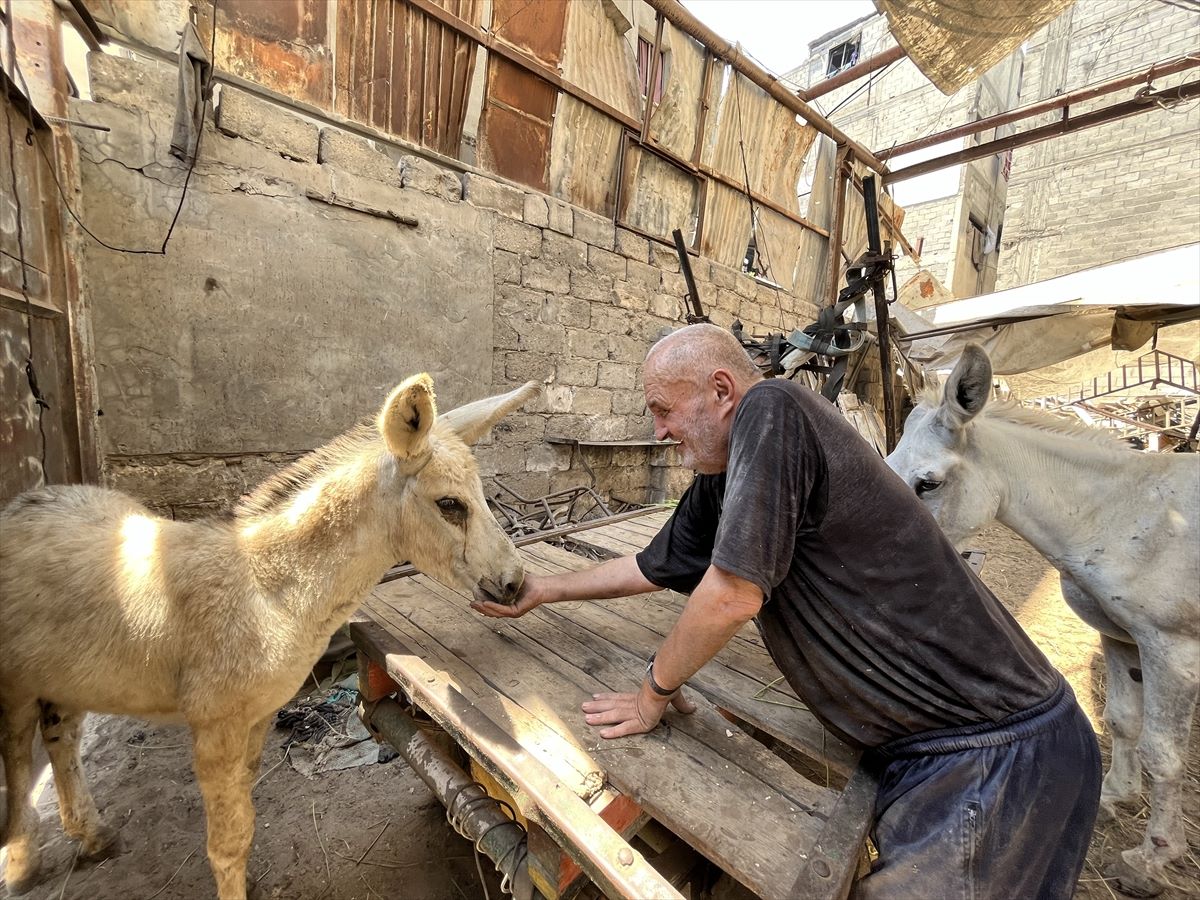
point(32, 139)
point(759, 247)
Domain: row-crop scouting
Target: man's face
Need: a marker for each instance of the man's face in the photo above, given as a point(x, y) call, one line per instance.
point(685, 412)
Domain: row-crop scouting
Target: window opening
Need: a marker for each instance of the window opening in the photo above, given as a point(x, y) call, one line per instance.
point(843, 56)
point(645, 53)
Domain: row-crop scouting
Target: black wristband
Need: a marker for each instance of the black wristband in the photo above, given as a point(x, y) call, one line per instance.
point(654, 685)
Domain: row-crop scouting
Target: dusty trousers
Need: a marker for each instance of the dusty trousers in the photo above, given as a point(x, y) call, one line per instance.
point(997, 811)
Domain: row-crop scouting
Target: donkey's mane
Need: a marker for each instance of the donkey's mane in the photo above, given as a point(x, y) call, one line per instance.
point(274, 493)
point(1013, 412)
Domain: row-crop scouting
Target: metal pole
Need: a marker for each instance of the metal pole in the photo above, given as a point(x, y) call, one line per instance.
point(473, 813)
point(875, 249)
point(855, 72)
point(685, 21)
point(841, 180)
point(654, 67)
point(1132, 107)
point(1158, 70)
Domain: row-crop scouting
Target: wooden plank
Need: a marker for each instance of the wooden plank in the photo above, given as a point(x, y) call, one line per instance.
point(711, 794)
point(598, 850)
point(738, 679)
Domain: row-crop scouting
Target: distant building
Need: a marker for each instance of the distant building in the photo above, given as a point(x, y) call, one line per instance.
point(1069, 203)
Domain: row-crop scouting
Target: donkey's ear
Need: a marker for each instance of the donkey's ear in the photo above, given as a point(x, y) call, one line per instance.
point(473, 421)
point(407, 416)
point(968, 388)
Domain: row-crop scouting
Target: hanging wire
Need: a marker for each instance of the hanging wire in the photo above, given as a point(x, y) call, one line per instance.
point(30, 366)
point(32, 139)
point(759, 246)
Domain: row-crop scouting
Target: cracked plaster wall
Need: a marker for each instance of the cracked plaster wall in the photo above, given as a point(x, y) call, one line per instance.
point(274, 321)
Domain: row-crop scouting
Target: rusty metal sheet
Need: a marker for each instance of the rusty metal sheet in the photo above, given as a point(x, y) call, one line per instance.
point(514, 132)
point(726, 225)
point(753, 132)
point(657, 196)
point(279, 20)
point(598, 59)
point(280, 44)
point(403, 71)
point(676, 118)
point(535, 26)
point(584, 156)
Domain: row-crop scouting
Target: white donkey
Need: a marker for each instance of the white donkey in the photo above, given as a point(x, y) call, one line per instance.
point(109, 608)
point(1123, 530)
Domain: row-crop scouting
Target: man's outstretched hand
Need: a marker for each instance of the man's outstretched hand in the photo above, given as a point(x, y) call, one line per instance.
point(632, 713)
point(531, 596)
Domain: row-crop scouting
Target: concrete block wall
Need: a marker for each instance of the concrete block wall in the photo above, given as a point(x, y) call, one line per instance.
point(276, 321)
point(1119, 190)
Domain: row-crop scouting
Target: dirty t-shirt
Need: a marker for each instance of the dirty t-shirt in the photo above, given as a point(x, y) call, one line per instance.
point(873, 617)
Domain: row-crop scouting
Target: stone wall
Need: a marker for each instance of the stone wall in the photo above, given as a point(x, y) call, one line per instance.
point(290, 301)
point(1119, 190)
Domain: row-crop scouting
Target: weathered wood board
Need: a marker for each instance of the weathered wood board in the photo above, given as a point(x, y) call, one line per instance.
point(701, 776)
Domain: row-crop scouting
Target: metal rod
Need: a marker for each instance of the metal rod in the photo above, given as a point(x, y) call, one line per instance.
point(871, 208)
point(1132, 107)
point(473, 813)
point(855, 72)
point(1158, 70)
point(685, 266)
point(654, 73)
point(732, 54)
point(841, 177)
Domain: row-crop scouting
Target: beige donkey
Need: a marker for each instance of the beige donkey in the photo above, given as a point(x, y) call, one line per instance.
point(106, 607)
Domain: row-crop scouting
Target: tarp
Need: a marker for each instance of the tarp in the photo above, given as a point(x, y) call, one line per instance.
point(1041, 324)
point(953, 42)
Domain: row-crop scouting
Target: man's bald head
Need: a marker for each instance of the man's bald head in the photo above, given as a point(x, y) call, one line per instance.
point(694, 352)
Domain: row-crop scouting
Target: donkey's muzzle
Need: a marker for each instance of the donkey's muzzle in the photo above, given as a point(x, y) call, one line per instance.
point(505, 593)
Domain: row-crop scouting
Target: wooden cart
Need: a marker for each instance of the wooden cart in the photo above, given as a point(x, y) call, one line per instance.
point(631, 815)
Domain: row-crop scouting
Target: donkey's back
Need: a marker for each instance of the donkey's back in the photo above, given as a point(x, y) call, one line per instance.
point(95, 596)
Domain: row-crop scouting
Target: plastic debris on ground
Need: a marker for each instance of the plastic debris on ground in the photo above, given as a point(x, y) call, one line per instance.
point(326, 733)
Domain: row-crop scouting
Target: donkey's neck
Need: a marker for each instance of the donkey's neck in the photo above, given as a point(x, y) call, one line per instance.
point(1055, 489)
point(323, 550)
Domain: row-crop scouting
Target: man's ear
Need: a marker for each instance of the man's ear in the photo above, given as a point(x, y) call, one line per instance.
point(407, 416)
point(723, 385)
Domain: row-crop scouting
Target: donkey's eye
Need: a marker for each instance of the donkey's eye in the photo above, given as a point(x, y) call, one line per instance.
point(924, 486)
point(453, 509)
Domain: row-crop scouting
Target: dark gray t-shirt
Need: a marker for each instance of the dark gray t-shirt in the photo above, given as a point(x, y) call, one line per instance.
point(870, 613)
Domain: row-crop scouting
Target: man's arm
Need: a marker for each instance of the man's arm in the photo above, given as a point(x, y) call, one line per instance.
point(719, 606)
point(620, 577)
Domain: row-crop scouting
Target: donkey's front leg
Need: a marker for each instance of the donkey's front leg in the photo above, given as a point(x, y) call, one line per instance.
point(1171, 679)
point(61, 732)
point(220, 749)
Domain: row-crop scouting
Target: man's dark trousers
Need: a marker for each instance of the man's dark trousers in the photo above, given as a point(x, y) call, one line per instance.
point(998, 811)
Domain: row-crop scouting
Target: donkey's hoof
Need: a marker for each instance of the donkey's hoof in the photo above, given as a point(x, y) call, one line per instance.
point(21, 884)
point(1131, 881)
point(104, 843)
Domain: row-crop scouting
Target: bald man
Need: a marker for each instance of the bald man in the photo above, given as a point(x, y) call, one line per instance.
point(989, 771)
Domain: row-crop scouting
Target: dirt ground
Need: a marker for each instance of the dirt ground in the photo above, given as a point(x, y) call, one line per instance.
point(312, 833)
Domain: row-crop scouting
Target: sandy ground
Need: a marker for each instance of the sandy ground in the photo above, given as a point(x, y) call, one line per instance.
point(312, 832)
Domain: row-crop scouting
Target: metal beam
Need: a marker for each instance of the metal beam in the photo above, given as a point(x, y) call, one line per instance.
point(1158, 70)
point(855, 72)
point(732, 54)
point(1138, 104)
